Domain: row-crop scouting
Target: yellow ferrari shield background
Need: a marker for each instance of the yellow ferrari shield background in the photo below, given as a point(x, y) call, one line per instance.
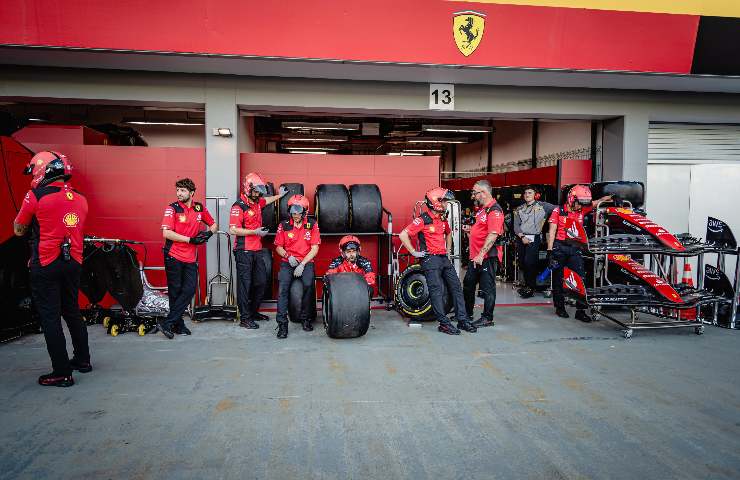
point(467, 29)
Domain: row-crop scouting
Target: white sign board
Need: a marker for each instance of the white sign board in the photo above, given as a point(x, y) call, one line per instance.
point(441, 96)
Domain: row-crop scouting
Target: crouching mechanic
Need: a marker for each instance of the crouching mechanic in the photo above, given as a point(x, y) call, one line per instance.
point(435, 241)
point(484, 255)
point(350, 260)
point(245, 223)
point(181, 229)
point(56, 215)
point(565, 241)
point(297, 243)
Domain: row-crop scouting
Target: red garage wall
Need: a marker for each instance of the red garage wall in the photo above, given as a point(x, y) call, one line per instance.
point(402, 181)
point(128, 189)
point(15, 157)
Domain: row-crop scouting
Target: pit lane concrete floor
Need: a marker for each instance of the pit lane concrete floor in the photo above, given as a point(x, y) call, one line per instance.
point(533, 397)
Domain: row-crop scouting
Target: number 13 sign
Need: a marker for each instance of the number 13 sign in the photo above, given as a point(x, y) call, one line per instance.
point(441, 96)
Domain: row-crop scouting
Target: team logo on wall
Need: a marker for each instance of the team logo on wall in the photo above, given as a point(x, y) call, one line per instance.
point(71, 219)
point(467, 30)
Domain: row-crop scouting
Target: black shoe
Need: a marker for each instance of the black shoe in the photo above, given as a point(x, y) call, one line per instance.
point(248, 324)
point(448, 328)
point(483, 322)
point(307, 326)
point(166, 331)
point(82, 367)
point(54, 380)
point(560, 312)
point(583, 316)
point(259, 316)
point(282, 329)
point(184, 331)
point(525, 292)
point(467, 326)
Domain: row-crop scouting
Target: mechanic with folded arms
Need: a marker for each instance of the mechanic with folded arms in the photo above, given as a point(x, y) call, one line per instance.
point(245, 224)
point(297, 243)
point(182, 231)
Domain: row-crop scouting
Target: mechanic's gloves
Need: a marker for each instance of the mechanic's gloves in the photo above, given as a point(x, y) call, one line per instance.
point(283, 190)
point(551, 261)
point(293, 261)
point(298, 270)
point(201, 237)
point(261, 232)
point(419, 254)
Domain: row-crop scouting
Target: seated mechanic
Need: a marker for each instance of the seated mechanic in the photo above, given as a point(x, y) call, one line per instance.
point(350, 260)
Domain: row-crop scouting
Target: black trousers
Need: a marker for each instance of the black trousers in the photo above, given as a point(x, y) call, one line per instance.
point(566, 256)
point(251, 281)
point(182, 279)
point(440, 273)
point(528, 256)
point(54, 289)
point(285, 279)
point(485, 276)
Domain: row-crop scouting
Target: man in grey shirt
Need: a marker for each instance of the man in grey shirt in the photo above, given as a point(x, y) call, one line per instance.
point(528, 221)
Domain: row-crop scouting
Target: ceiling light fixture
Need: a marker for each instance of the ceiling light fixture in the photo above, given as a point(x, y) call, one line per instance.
point(320, 126)
point(311, 152)
point(436, 140)
point(314, 138)
point(169, 124)
point(430, 150)
point(405, 154)
point(457, 128)
point(327, 149)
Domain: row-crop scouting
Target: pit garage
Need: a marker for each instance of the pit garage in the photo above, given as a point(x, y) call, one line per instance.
point(647, 115)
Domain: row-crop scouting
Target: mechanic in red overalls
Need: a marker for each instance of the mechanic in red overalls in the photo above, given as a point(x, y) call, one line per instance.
point(56, 215)
point(182, 231)
point(350, 260)
point(433, 233)
point(565, 242)
point(297, 243)
point(484, 255)
point(245, 224)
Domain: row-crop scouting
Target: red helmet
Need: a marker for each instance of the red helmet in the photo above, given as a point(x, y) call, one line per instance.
point(580, 194)
point(349, 241)
point(435, 196)
point(298, 204)
point(254, 183)
point(47, 167)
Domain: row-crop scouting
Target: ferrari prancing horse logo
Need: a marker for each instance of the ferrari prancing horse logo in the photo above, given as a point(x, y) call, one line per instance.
point(467, 30)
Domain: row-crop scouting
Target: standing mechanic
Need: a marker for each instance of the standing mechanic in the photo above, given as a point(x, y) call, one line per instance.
point(435, 241)
point(350, 260)
point(56, 214)
point(484, 255)
point(565, 241)
point(297, 242)
point(181, 229)
point(529, 218)
point(245, 223)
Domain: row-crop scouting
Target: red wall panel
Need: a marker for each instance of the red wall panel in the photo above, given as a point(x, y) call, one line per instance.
point(417, 31)
point(401, 181)
point(575, 171)
point(60, 134)
point(540, 176)
point(128, 188)
point(15, 157)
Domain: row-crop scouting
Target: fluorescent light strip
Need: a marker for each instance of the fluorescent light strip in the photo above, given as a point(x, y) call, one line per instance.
point(328, 149)
point(423, 150)
point(311, 152)
point(314, 139)
point(320, 126)
point(174, 124)
point(436, 140)
point(456, 128)
point(404, 154)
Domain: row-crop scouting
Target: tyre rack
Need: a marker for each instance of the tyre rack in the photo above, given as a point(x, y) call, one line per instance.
point(663, 263)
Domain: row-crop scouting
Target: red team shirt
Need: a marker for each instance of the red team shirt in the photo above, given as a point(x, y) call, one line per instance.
point(251, 219)
point(298, 240)
point(433, 234)
point(55, 212)
point(188, 223)
point(485, 223)
point(560, 220)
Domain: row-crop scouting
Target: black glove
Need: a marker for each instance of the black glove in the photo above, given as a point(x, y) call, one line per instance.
point(551, 261)
point(201, 237)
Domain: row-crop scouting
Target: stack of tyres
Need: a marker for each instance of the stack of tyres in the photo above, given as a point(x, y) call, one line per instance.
point(269, 213)
point(332, 208)
point(366, 212)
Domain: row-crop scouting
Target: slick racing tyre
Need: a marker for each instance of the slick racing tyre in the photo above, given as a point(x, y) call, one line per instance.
point(332, 208)
point(412, 295)
point(346, 304)
point(366, 208)
point(294, 302)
